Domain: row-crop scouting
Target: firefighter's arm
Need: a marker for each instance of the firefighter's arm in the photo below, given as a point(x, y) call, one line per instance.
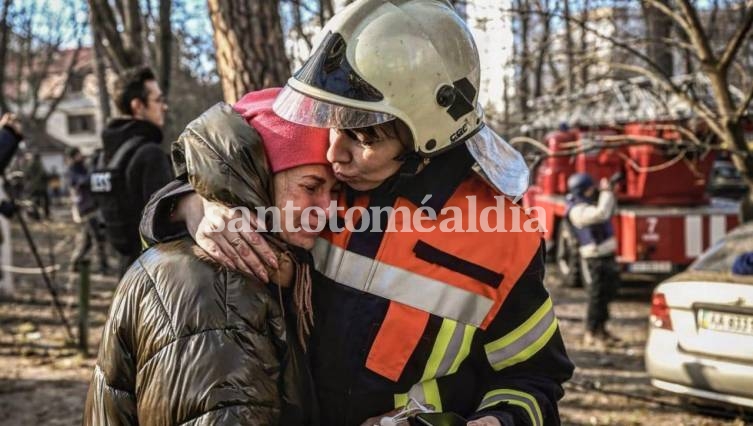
point(582, 215)
point(520, 358)
point(176, 210)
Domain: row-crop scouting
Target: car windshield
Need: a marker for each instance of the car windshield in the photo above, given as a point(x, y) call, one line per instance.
point(722, 255)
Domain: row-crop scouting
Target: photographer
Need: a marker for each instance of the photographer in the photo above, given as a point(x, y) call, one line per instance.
point(10, 137)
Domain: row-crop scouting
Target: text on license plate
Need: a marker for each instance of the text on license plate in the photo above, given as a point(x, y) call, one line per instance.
point(725, 321)
point(650, 267)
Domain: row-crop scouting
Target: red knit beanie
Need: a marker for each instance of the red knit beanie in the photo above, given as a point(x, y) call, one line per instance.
point(286, 144)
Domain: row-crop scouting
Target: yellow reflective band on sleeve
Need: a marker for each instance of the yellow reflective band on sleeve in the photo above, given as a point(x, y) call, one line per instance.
point(451, 347)
point(517, 398)
point(401, 400)
point(465, 349)
point(523, 342)
point(427, 393)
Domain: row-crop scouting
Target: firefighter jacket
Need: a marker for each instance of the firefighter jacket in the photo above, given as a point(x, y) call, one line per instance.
point(457, 320)
point(592, 224)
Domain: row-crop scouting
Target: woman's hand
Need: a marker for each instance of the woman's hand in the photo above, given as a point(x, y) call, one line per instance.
point(485, 421)
point(241, 250)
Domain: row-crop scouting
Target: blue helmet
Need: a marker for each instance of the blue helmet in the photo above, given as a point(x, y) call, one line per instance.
point(579, 183)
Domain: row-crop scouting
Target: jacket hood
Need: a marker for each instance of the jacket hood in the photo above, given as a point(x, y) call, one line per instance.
point(224, 160)
point(120, 130)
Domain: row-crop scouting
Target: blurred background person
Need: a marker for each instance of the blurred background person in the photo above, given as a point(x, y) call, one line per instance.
point(84, 211)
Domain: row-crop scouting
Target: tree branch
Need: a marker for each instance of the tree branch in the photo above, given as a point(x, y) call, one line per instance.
point(70, 73)
point(743, 107)
point(736, 42)
point(671, 14)
point(696, 33)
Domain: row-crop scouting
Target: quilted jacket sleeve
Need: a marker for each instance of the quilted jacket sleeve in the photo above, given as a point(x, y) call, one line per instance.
point(111, 399)
point(188, 344)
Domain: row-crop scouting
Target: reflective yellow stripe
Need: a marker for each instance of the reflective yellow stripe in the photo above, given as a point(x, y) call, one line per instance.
point(451, 347)
point(523, 342)
point(401, 285)
point(515, 397)
point(401, 400)
point(440, 347)
point(427, 393)
point(465, 348)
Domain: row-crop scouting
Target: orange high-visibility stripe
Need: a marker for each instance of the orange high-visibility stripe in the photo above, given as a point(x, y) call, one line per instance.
point(398, 337)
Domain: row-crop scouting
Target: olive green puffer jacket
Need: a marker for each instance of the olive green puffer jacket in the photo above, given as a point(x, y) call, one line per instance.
point(188, 342)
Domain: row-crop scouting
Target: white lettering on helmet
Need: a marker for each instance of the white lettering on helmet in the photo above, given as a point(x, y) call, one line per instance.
point(460, 132)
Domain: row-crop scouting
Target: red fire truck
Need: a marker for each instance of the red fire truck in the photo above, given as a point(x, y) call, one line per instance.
point(664, 218)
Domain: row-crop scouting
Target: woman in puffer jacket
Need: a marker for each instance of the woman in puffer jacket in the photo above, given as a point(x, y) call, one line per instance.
point(190, 342)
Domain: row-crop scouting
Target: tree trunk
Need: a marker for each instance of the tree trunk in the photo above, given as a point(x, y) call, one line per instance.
point(124, 47)
point(570, 60)
point(4, 40)
point(523, 92)
point(584, 48)
point(658, 29)
point(100, 73)
point(165, 44)
point(249, 46)
point(542, 52)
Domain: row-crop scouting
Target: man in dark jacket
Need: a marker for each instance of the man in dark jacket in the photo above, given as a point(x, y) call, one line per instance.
point(142, 163)
point(84, 211)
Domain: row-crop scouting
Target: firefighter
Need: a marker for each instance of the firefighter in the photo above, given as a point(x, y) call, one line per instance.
point(589, 215)
point(456, 321)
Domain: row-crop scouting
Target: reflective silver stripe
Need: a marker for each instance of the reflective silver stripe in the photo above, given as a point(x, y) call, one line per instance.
point(526, 401)
point(524, 342)
point(398, 284)
point(452, 351)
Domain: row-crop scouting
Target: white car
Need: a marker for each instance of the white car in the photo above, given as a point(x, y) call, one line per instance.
point(700, 342)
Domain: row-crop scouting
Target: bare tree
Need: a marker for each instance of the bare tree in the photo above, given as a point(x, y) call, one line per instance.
point(4, 41)
point(249, 46)
point(100, 72)
point(523, 55)
point(122, 31)
point(42, 67)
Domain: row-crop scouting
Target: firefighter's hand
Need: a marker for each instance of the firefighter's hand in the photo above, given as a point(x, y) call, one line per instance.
point(485, 421)
point(604, 185)
point(375, 421)
point(237, 247)
point(10, 120)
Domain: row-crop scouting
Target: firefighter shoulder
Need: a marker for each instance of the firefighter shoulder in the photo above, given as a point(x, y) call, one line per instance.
point(498, 346)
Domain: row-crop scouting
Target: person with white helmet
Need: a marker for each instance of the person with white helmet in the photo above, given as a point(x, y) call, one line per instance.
point(449, 321)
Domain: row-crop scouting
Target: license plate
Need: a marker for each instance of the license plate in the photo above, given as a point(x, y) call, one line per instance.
point(650, 267)
point(725, 321)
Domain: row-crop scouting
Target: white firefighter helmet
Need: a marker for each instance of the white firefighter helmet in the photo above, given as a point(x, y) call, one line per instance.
point(378, 60)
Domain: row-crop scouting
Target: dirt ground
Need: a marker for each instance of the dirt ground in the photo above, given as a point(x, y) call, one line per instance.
point(43, 381)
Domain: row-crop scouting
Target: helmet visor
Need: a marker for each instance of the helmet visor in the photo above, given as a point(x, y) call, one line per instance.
point(308, 111)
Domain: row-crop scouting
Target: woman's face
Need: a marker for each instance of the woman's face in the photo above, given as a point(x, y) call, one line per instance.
point(364, 160)
point(296, 190)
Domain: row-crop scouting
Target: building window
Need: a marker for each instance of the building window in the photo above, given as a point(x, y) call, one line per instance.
point(78, 124)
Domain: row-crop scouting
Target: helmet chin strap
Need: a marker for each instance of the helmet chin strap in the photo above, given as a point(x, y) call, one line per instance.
point(411, 162)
